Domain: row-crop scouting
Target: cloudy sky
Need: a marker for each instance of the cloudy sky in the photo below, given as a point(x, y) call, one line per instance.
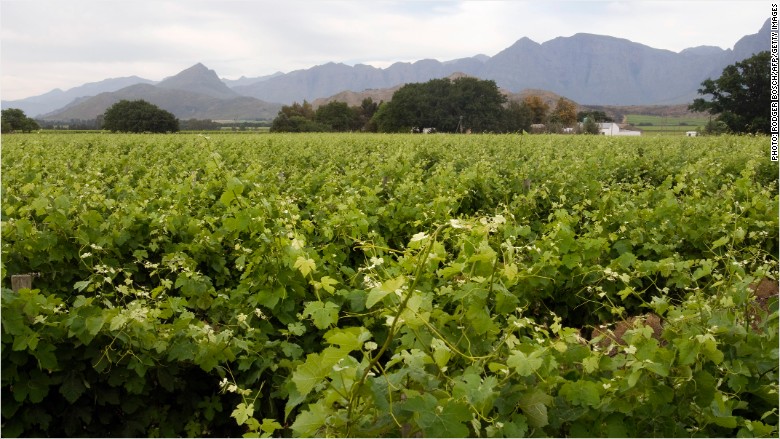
point(46, 44)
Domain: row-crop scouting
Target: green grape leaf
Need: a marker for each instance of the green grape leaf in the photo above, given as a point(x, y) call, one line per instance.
point(243, 412)
point(72, 387)
point(720, 242)
point(309, 422)
point(316, 368)
point(323, 314)
point(534, 406)
point(269, 426)
point(349, 339)
point(582, 393)
point(445, 418)
point(305, 265)
point(387, 287)
point(327, 282)
point(524, 364)
point(477, 391)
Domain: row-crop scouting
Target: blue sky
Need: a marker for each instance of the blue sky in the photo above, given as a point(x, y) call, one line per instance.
point(46, 44)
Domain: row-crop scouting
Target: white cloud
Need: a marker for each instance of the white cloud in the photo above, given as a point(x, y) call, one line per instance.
point(54, 43)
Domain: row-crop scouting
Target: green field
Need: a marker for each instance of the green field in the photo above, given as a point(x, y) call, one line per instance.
point(659, 125)
point(389, 285)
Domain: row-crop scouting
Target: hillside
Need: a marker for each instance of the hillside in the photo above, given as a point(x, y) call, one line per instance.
point(57, 99)
point(183, 104)
point(194, 93)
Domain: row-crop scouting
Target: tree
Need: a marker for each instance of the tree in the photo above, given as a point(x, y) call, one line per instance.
point(590, 126)
point(447, 105)
point(538, 107)
point(740, 97)
point(594, 115)
point(297, 118)
point(480, 103)
point(14, 119)
point(366, 112)
point(715, 127)
point(517, 117)
point(338, 115)
point(565, 112)
point(138, 117)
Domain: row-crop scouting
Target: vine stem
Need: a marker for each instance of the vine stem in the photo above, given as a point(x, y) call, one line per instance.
point(354, 399)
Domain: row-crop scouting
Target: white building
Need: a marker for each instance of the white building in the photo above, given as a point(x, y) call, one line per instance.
point(612, 129)
point(691, 133)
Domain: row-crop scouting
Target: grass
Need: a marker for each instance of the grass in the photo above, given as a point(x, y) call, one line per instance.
point(662, 125)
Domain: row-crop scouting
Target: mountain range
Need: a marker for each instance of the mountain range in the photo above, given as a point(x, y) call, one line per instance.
point(194, 93)
point(586, 68)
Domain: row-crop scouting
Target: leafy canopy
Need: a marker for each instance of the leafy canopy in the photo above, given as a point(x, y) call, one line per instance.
point(14, 119)
point(138, 117)
point(740, 96)
point(333, 116)
point(447, 105)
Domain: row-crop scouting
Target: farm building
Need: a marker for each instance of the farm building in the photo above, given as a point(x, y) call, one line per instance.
point(691, 133)
point(612, 129)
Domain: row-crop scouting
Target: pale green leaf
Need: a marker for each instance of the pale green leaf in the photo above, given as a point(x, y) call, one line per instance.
point(305, 265)
point(720, 242)
point(387, 287)
point(316, 368)
point(243, 412)
point(269, 426)
point(349, 339)
point(327, 283)
point(227, 198)
point(323, 314)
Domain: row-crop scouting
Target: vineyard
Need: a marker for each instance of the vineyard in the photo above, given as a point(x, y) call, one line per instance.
point(274, 285)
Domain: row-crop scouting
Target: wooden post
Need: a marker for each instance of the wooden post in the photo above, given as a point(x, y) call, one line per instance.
point(20, 281)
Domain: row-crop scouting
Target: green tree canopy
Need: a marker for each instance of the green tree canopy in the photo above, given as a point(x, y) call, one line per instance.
point(297, 118)
point(594, 115)
point(365, 113)
point(333, 116)
point(517, 117)
point(740, 97)
point(338, 115)
point(139, 116)
point(14, 119)
point(444, 104)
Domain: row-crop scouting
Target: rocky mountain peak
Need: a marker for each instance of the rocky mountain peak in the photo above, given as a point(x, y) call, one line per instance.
point(199, 79)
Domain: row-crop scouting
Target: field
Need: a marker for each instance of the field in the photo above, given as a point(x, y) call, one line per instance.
point(659, 125)
point(389, 285)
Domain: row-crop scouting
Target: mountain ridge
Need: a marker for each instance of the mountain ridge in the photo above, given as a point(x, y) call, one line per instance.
point(182, 103)
point(57, 98)
point(199, 79)
point(588, 68)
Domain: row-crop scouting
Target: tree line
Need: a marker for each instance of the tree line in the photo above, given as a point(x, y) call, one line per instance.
point(453, 106)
